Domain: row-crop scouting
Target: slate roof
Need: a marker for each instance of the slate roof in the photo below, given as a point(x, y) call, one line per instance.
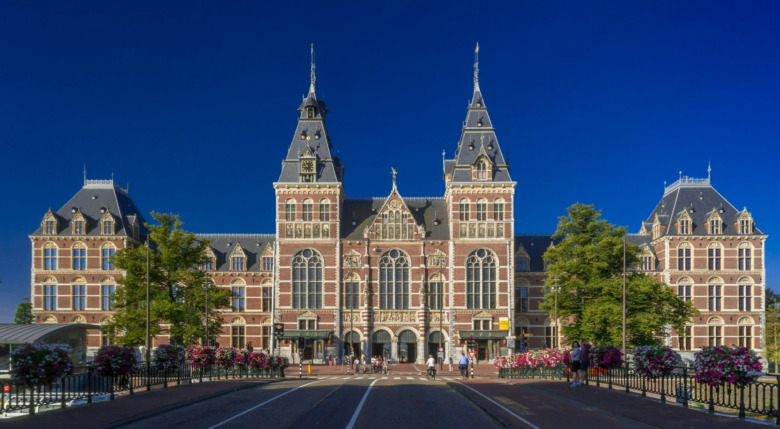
point(478, 132)
point(316, 139)
point(253, 245)
point(90, 199)
point(422, 209)
point(19, 334)
point(535, 246)
point(703, 198)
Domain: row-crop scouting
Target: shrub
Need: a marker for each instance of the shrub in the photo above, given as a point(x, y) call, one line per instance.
point(113, 361)
point(716, 366)
point(201, 356)
point(243, 357)
point(40, 364)
point(169, 356)
point(606, 356)
point(226, 356)
point(654, 361)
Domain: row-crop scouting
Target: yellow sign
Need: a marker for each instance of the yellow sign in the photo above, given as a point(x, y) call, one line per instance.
point(503, 323)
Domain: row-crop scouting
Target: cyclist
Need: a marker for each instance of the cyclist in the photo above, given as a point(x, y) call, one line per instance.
point(378, 367)
point(431, 366)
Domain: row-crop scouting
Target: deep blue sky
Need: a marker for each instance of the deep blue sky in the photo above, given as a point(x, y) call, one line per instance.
point(194, 104)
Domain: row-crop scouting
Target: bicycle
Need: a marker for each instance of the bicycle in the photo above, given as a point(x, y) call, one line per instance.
point(432, 373)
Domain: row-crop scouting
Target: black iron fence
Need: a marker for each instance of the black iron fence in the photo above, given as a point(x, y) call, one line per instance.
point(758, 397)
point(85, 383)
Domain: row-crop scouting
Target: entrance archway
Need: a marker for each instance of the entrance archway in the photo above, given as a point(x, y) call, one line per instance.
point(381, 344)
point(352, 339)
point(435, 340)
point(407, 346)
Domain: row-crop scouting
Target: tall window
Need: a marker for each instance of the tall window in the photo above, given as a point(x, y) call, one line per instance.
point(714, 298)
point(713, 260)
point(481, 209)
point(237, 261)
point(482, 173)
point(105, 297)
point(744, 258)
point(746, 336)
point(521, 299)
point(352, 293)
point(745, 297)
point(307, 209)
point(50, 256)
point(463, 210)
point(50, 297)
point(715, 226)
point(51, 227)
point(685, 226)
point(268, 263)
point(105, 339)
point(394, 281)
point(289, 210)
point(684, 292)
point(551, 336)
point(307, 279)
point(656, 231)
point(108, 252)
point(647, 263)
point(498, 209)
point(481, 279)
point(237, 336)
point(78, 227)
point(436, 293)
point(209, 265)
point(267, 298)
point(521, 263)
point(307, 324)
point(745, 226)
point(684, 257)
point(325, 210)
point(79, 256)
point(108, 227)
point(79, 297)
point(685, 339)
point(239, 296)
point(715, 336)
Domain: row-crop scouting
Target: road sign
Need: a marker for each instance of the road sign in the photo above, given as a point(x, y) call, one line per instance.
point(510, 343)
point(441, 354)
point(278, 329)
point(441, 349)
point(472, 354)
point(503, 323)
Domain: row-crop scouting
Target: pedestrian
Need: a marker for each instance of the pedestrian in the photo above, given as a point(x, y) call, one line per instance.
point(463, 365)
point(576, 361)
point(357, 364)
point(450, 363)
point(585, 362)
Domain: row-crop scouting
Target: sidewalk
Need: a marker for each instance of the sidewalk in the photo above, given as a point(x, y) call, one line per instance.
point(553, 404)
point(124, 407)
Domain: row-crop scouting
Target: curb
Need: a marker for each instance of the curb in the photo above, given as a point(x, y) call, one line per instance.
point(498, 417)
point(181, 405)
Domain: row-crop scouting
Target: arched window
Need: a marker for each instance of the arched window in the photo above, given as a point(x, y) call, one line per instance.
point(521, 295)
point(325, 210)
point(684, 256)
point(394, 281)
point(714, 287)
point(50, 294)
point(289, 210)
point(239, 294)
point(746, 332)
point(714, 251)
point(209, 265)
point(351, 291)
point(79, 299)
point(463, 209)
point(481, 209)
point(79, 256)
point(482, 170)
point(498, 209)
point(108, 224)
point(308, 208)
point(307, 279)
point(436, 295)
point(268, 295)
point(481, 279)
point(684, 288)
point(238, 332)
point(746, 294)
point(107, 289)
point(745, 258)
point(108, 250)
point(238, 259)
point(715, 331)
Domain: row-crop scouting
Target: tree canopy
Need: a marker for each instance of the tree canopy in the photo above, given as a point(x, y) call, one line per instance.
point(588, 262)
point(24, 314)
point(177, 288)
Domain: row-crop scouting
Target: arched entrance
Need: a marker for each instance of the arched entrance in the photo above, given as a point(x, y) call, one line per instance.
point(435, 340)
point(352, 339)
point(381, 344)
point(407, 346)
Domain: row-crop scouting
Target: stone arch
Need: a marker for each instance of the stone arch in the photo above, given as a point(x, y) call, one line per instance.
point(521, 321)
point(78, 279)
point(408, 328)
point(49, 279)
point(746, 280)
point(746, 320)
point(106, 319)
point(715, 320)
point(715, 280)
point(357, 331)
point(49, 319)
point(238, 320)
point(78, 319)
point(685, 280)
point(238, 281)
point(266, 281)
point(107, 279)
point(438, 331)
point(522, 281)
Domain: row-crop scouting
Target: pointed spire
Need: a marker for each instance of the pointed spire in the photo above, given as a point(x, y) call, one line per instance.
point(313, 67)
point(85, 174)
point(476, 68)
point(709, 170)
point(395, 173)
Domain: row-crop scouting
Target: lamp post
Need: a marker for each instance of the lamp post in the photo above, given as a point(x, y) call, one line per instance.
point(555, 289)
point(207, 315)
point(148, 303)
point(624, 294)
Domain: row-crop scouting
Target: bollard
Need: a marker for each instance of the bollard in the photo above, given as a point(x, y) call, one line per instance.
point(62, 393)
point(300, 365)
point(89, 384)
point(111, 395)
point(627, 375)
point(472, 368)
point(148, 375)
point(742, 402)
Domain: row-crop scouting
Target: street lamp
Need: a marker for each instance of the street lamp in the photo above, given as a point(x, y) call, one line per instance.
point(624, 294)
point(148, 303)
point(555, 289)
point(207, 314)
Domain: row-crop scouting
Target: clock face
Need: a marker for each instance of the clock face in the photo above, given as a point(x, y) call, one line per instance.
point(307, 166)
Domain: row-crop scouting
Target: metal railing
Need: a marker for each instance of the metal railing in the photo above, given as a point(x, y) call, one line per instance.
point(85, 383)
point(758, 397)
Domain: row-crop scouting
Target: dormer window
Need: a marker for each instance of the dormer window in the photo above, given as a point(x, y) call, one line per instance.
point(238, 259)
point(745, 222)
point(51, 227)
point(482, 170)
point(209, 264)
point(50, 224)
point(714, 226)
point(310, 113)
point(108, 227)
point(715, 223)
point(78, 227)
point(685, 226)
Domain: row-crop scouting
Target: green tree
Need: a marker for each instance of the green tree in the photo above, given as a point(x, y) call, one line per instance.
point(588, 261)
point(24, 315)
point(771, 334)
point(771, 298)
point(177, 288)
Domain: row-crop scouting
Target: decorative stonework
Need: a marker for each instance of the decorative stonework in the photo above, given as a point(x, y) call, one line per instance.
point(436, 317)
point(394, 317)
point(352, 259)
point(356, 317)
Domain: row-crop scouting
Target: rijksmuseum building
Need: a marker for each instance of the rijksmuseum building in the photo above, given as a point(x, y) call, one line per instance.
point(401, 276)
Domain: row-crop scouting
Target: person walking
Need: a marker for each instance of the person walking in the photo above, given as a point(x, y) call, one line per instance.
point(463, 365)
point(357, 365)
point(585, 361)
point(450, 363)
point(576, 361)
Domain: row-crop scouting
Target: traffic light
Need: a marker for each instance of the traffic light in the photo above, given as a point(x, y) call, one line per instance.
point(301, 343)
point(471, 344)
point(278, 329)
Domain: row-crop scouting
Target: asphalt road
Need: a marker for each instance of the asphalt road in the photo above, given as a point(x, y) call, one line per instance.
point(332, 402)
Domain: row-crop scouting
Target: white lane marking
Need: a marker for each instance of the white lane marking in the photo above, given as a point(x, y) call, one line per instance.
point(397, 378)
point(425, 379)
point(500, 406)
point(360, 405)
point(256, 406)
point(384, 378)
point(360, 378)
point(410, 378)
